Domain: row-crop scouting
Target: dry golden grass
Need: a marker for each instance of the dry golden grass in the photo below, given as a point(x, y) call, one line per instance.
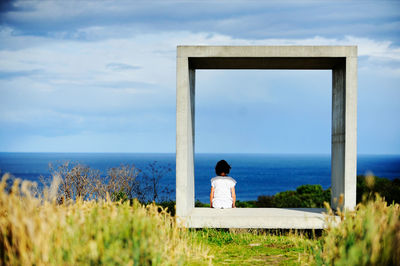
point(37, 230)
point(369, 235)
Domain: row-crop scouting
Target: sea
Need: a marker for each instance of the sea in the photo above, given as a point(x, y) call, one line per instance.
point(256, 174)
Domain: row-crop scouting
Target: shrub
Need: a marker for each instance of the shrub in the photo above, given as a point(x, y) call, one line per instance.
point(73, 180)
point(246, 204)
point(287, 199)
point(370, 185)
point(125, 182)
point(265, 201)
point(198, 203)
point(305, 196)
point(168, 206)
point(370, 235)
point(152, 187)
point(38, 231)
point(121, 183)
point(313, 196)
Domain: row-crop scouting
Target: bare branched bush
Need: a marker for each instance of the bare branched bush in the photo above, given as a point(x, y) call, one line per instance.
point(121, 183)
point(75, 181)
point(152, 175)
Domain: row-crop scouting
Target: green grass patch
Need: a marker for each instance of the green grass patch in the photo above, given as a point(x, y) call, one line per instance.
point(254, 247)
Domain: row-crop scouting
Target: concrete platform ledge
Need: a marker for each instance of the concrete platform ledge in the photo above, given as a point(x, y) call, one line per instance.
point(269, 218)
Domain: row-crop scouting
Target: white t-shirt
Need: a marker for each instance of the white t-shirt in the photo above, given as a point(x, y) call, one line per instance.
point(222, 191)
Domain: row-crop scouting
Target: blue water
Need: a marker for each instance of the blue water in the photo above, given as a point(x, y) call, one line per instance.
point(256, 174)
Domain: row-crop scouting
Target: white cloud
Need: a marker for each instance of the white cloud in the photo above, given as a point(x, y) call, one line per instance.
point(145, 63)
point(107, 84)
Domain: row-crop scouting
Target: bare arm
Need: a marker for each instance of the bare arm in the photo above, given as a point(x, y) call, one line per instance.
point(233, 197)
point(211, 196)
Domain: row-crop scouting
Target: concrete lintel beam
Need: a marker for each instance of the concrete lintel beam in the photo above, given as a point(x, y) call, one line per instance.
point(267, 51)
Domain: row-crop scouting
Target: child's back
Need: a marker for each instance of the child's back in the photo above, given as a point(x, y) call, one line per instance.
point(222, 191)
point(222, 187)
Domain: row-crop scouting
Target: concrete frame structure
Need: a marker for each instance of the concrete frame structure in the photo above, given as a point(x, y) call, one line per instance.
point(342, 60)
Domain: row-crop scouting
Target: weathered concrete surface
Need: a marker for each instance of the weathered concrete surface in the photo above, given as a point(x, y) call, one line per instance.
point(267, 51)
point(184, 138)
point(344, 134)
point(343, 62)
point(350, 174)
point(256, 218)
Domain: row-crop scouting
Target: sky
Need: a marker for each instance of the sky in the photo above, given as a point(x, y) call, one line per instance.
point(100, 76)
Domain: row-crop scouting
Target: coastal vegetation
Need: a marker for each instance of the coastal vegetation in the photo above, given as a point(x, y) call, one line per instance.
point(125, 182)
point(128, 182)
point(36, 230)
point(73, 222)
point(369, 235)
point(314, 196)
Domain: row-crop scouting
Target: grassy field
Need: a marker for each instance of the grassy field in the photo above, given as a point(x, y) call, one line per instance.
point(251, 247)
point(36, 230)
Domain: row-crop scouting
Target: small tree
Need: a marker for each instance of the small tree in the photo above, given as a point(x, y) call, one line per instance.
point(121, 183)
point(75, 180)
point(122, 180)
point(152, 174)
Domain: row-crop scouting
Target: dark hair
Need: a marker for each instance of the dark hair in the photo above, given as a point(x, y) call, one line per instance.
point(222, 167)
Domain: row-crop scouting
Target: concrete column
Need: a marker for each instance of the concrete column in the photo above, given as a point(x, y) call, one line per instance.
point(344, 134)
point(350, 175)
point(190, 189)
point(184, 137)
point(338, 135)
